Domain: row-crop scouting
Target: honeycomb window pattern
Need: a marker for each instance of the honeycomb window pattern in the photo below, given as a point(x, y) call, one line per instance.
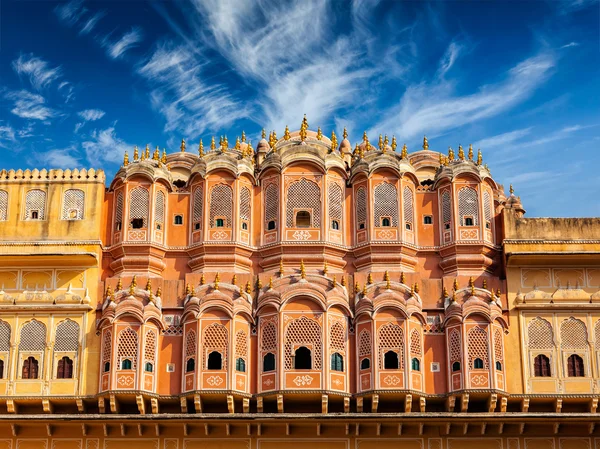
point(35, 200)
point(33, 336)
point(487, 206)
point(198, 205)
point(468, 206)
point(364, 343)
point(241, 344)
point(303, 195)
point(573, 334)
point(361, 206)
point(245, 203)
point(455, 349)
point(391, 338)
point(159, 208)
point(150, 347)
point(139, 201)
point(268, 337)
point(446, 208)
point(271, 203)
point(408, 207)
point(498, 354)
point(303, 331)
point(73, 204)
point(66, 337)
point(127, 347)
point(540, 335)
point(385, 204)
point(597, 335)
point(119, 211)
point(4, 336)
point(221, 204)
point(215, 339)
point(106, 347)
point(336, 201)
point(3, 205)
point(415, 343)
point(337, 337)
point(477, 346)
point(190, 345)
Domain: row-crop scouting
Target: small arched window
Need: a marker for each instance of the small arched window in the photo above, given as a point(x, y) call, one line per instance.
point(148, 367)
point(303, 219)
point(427, 219)
point(303, 358)
point(415, 364)
point(337, 362)
point(219, 223)
point(106, 367)
point(269, 362)
point(65, 368)
point(468, 221)
point(30, 368)
point(575, 366)
point(215, 361)
point(365, 363)
point(498, 366)
point(244, 226)
point(385, 222)
point(335, 225)
point(390, 360)
point(126, 364)
point(240, 365)
point(190, 365)
point(178, 219)
point(271, 225)
point(456, 366)
point(541, 366)
point(478, 364)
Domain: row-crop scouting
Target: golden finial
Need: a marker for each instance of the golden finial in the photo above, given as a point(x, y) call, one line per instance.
point(450, 153)
point(325, 268)
point(271, 283)
point(402, 278)
point(250, 151)
point(394, 144)
point(302, 270)
point(454, 296)
point(225, 144)
point(388, 284)
point(136, 154)
point(213, 146)
point(472, 290)
point(281, 268)
point(237, 143)
point(425, 143)
point(441, 159)
point(416, 288)
point(125, 159)
point(386, 276)
point(201, 148)
point(334, 142)
point(202, 279)
point(193, 292)
point(364, 290)
point(334, 281)
point(380, 142)
point(109, 292)
point(445, 292)
point(498, 293)
point(471, 282)
point(248, 287)
point(243, 136)
point(234, 280)
point(303, 128)
point(455, 284)
point(345, 133)
point(412, 290)
point(159, 292)
point(156, 155)
point(404, 152)
point(147, 155)
point(370, 279)
point(386, 141)
point(471, 152)
point(479, 157)
point(343, 281)
point(272, 139)
point(119, 285)
point(356, 287)
point(461, 153)
point(486, 166)
point(258, 282)
point(511, 190)
point(319, 134)
point(149, 285)
point(182, 146)
point(217, 279)
point(188, 289)
point(446, 163)
point(286, 133)
point(485, 284)
point(133, 285)
point(164, 156)
point(263, 133)
point(365, 138)
point(151, 296)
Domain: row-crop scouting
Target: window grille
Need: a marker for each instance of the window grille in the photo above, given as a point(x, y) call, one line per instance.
point(364, 343)
point(540, 334)
point(304, 195)
point(106, 347)
point(241, 345)
point(468, 205)
point(4, 336)
point(35, 200)
point(336, 201)
point(33, 337)
point(139, 200)
point(477, 347)
point(575, 366)
point(385, 203)
point(303, 331)
point(3, 205)
point(190, 344)
point(127, 347)
point(271, 203)
point(597, 335)
point(198, 205)
point(215, 339)
point(268, 338)
point(67, 336)
point(159, 208)
point(361, 207)
point(455, 348)
point(415, 343)
point(541, 366)
point(119, 212)
point(487, 207)
point(245, 203)
point(73, 204)
point(446, 208)
point(150, 348)
point(391, 338)
point(498, 353)
point(337, 337)
point(408, 206)
point(573, 334)
point(221, 204)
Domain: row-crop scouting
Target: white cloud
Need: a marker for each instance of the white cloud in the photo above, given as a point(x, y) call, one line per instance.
point(502, 139)
point(90, 115)
point(449, 58)
point(40, 73)
point(59, 158)
point(89, 25)
point(7, 135)
point(30, 106)
point(570, 44)
point(70, 12)
point(126, 42)
point(104, 145)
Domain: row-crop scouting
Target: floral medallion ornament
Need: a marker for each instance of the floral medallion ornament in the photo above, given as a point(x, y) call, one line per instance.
point(302, 381)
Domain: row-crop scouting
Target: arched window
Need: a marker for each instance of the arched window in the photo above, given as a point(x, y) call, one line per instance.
point(269, 362)
point(245, 204)
point(541, 366)
point(456, 366)
point(73, 204)
point(468, 207)
point(33, 336)
point(67, 336)
point(240, 365)
point(106, 350)
point(477, 348)
point(148, 367)
point(271, 205)
point(539, 334)
point(178, 220)
point(427, 219)
point(335, 225)
point(301, 332)
point(385, 222)
point(215, 361)
point(3, 205)
point(454, 347)
point(408, 207)
point(336, 202)
point(190, 365)
point(271, 225)
point(365, 363)
point(106, 367)
point(159, 211)
point(198, 208)
point(415, 364)
point(302, 358)
point(126, 364)
point(361, 208)
point(127, 348)
point(1, 369)
point(303, 219)
point(306, 196)
point(4, 343)
point(498, 366)
point(149, 350)
point(487, 209)
point(446, 210)
point(139, 201)
point(30, 368)
point(390, 360)
point(575, 366)
point(337, 362)
point(35, 205)
point(190, 351)
point(119, 212)
point(221, 205)
point(478, 363)
point(65, 368)
point(385, 204)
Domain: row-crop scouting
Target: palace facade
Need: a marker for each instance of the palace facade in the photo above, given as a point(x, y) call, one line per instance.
point(303, 293)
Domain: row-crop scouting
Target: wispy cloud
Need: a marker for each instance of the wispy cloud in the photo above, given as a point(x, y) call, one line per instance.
point(450, 57)
point(570, 44)
point(30, 106)
point(128, 41)
point(65, 157)
point(104, 146)
point(556, 135)
point(40, 73)
point(90, 115)
point(7, 135)
point(70, 12)
point(501, 140)
point(90, 23)
point(569, 6)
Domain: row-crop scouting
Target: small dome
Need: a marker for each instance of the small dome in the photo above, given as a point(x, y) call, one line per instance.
point(263, 145)
point(345, 146)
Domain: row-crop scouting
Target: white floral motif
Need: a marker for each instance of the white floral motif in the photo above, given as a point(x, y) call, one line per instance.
point(220, 235)
point(240, 382)
point(268, 382)
point(301, 235)
point(392, 380)
point(386, 235)
point(125, 381)
point(480, 380)
point(214, 381)
point(337, 382)
point(303, 380)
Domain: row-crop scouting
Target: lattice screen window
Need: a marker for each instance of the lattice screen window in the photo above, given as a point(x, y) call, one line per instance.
point(487, 209)
point(221, 204)
point(245, 203)
point(415, 343)
point(597, 335)
point(468, 206)
point(3, 205)
point(119, 212)
point(303, 195)
point(391, 337)
point(337, 338)
point(498, 353)
point(364, 343)
point(477, 347)
point(385, 204)
point(268, 338)
point(446, 209)
point(127, 347)
point(455, 347)
point(4, 336)
point(139, 203)
point(215, 339)
point(361, 208)
point(35, 205)
point(150, 348)
point(106, 347)
point(336, 201)
point(66, 337)
point(159, 209)
point(241, 345)
point(573, 334)
point(73, 204)
point(33, 337)
point(271, 203)
point(540, 335)
point(408, 208)
point(198, 207)
point(303, 331)
point(190, 345)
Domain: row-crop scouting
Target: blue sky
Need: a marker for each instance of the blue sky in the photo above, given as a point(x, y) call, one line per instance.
point(81, 82)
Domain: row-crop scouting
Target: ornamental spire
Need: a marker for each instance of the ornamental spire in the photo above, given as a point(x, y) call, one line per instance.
point(511, 190)
point(404, 152)
point(217, 279)
point(263, 134)
point(461, 153)
point(302, 270)
point(425, 143)
point(213, 146)
point(182, 146)
point(237, 143)
point(450, 153)
point(479, 157)
point(345, 133)
point(303, 128)
point(380, 143)
point(156, 155)
point(286, 133)
point(201, 148)
point(136, 154)
point(471, 152)
point(334, 142)
point(272, 139)
point(125, 159)
point(319, 134)
point(164, 156)
point(243, 136)
point(394, 144)
point(147, 151)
